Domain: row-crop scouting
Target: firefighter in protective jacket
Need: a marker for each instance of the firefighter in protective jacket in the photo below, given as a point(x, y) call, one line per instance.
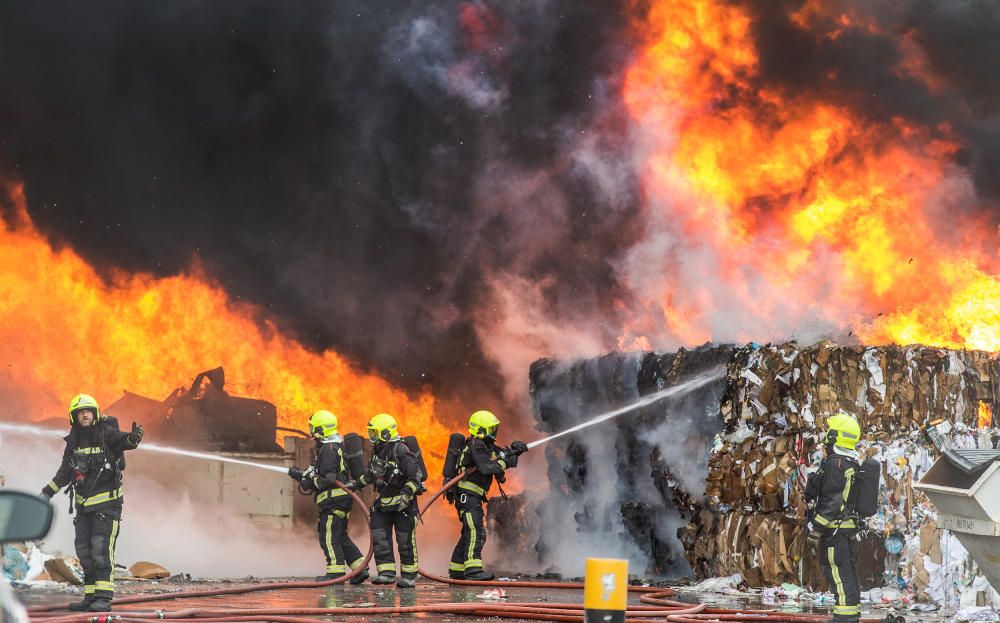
point(490, 461)
point(395, 472)
point(92, 466)
point(834, 522)
point(334, 503)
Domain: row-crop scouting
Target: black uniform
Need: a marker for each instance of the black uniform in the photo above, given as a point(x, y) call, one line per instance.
point(91, 465)
point(835, 520)
point(334, 507)
point(395, 472)
point(469, 497)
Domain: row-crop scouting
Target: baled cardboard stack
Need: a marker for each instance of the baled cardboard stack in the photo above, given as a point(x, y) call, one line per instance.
point(776, 402)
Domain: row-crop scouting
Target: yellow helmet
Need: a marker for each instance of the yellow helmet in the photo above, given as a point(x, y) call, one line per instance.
point(382, 427)
point(844, 431)
point(323, 424)
point(484, 424)
point(81, 402)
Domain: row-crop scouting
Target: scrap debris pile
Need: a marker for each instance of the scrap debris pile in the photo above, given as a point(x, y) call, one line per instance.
point(625, 486)
point(25, 564)
point(776, 401)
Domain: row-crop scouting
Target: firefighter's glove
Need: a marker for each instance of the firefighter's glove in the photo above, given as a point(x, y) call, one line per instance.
point(405, 499)
point(509, 458)
point(46, 493)
point(813, 536)
point(295, 473)
point(518, 447)
point(136, 435)
point(450, 495)
point(309, 472)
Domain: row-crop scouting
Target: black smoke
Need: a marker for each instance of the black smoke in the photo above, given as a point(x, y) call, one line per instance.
point(862, 65)
point(361, 170)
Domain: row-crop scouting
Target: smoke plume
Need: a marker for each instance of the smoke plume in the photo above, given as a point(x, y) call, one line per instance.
point(379, 178)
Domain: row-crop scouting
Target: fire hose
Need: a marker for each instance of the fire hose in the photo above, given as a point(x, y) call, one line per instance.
point(658, 607)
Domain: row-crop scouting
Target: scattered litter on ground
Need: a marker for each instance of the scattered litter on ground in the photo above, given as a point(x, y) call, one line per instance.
point(977, 613)
point(493, 594)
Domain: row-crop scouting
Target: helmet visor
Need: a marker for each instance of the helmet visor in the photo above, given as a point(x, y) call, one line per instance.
point(491, 431)
point(372, 434)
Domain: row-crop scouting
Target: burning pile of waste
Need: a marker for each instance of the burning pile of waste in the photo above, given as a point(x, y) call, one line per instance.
point(715, 478)
point(776, 402)
point(625, 486)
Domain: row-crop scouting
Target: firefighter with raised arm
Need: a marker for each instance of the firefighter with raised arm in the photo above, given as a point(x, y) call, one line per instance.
point(395, 472)
point(834, 521)
point(92, 465)
point(334, 503)
point(481, 451)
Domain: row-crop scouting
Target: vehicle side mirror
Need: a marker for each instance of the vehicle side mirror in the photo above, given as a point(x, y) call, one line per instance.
point(23, 516)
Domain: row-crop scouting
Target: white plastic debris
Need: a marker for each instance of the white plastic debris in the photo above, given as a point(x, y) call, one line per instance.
point(977, 613)
point(716, 585)
point(493, 594)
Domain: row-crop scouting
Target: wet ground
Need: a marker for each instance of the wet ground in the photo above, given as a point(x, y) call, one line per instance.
point(367, 594)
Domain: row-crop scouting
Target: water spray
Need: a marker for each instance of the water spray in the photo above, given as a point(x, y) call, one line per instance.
point(682, 388)
point(39, 431)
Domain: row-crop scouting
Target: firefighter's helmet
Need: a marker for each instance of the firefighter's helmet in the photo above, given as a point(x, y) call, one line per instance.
point(844, 431)
point(381, 428)
point(323, 424)
point(484, 424)
point(81, 402)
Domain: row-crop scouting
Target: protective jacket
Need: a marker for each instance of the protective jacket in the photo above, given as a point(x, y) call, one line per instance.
point(92, 463)
point(483, 455)
point(330, 466)
point(833, 493)
point(392, 468)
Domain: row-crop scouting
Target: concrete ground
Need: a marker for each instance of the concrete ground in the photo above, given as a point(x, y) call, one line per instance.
point(371, 595)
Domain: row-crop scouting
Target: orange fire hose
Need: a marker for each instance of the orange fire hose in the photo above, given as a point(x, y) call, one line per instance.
point(658, 608)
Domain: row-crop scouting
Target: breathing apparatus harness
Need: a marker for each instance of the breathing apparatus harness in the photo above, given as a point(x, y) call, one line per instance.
point(81, 471)
point(310, 472)
point(862, 500)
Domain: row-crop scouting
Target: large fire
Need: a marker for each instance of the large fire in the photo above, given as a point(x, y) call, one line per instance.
point(64, 330)
point(804, 204)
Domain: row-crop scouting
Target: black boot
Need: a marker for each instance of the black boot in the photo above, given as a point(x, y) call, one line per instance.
point(100, 604)
point(384, 578)
point(359, 578)
point(82, 606)
point(329, 576)
point(406, 581)
point(456, 575)
point(478, 575)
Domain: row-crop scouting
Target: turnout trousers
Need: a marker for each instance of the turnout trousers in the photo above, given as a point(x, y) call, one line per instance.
point(838, 561)
point(96, 537)
point(383, 522)
point(341, 552)
point(468, 553)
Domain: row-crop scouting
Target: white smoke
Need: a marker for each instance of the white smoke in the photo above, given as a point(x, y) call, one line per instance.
point(165, 526)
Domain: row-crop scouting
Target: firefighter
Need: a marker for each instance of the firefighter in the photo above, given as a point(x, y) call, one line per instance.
point(833, 522)
point(490, 461)
point(334, 503)
point(395, 472)
point(92, 466)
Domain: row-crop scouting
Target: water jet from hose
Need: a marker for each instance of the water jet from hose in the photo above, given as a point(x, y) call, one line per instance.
point(676, 390)
point(40, 431)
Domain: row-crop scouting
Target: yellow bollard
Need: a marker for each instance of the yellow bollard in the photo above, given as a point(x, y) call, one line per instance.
point(605, 590)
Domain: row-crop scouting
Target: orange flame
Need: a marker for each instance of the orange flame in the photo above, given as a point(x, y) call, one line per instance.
point(807, 208)
point(985, 415)
point(64, 330)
